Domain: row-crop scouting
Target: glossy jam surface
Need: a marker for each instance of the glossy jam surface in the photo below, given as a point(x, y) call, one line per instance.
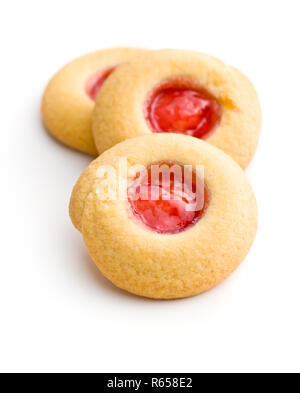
point(170, 202)
point(184, 109)
point(96, 81)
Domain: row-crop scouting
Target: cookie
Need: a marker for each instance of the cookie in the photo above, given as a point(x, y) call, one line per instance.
point(173, 91)
point(152, 240)
point(69, 98)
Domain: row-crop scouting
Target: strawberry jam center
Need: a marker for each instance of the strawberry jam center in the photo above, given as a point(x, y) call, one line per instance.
point(168, 198)
point(183, 108)
point(95, 82)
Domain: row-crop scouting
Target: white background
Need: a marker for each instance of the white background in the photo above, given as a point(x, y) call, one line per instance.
point(57, 313)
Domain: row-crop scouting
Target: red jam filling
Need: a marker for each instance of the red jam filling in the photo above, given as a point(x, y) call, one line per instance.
point(183, 108)
point(95, 82)
point(168, 200)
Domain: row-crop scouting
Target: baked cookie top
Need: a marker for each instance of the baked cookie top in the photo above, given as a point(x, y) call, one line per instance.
point(145, 261)
point(182, 92)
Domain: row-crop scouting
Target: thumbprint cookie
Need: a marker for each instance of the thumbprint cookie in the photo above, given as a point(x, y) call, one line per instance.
point(69, 98)
point(165, 216)
point(175, 91)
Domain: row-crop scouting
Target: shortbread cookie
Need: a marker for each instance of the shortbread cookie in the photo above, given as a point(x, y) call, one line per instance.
point(69, 98)
point(161, 247)
point(172, 91)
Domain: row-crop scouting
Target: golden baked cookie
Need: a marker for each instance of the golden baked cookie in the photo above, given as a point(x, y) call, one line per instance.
point(68, 100)
point(166, 245)
point(175, 91)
